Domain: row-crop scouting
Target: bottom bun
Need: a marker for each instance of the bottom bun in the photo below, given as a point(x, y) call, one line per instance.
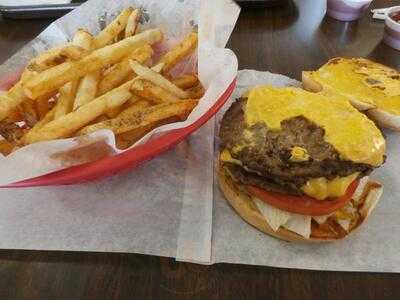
point(247, 209)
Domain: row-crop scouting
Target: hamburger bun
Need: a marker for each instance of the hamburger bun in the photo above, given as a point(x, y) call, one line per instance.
point(382, 117)
point(311, 85)
point(247, 209)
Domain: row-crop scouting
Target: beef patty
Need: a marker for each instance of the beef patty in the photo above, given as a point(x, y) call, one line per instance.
point(266, 153)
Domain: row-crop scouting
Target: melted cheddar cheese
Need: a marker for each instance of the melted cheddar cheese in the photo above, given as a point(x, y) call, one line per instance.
point(321, 188)
point(299, 154)
point(318, 188)
point(361, 80)
point(353, 135)
point(226, 156)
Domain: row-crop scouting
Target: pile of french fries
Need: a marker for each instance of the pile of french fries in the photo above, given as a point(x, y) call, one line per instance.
point(108, 81)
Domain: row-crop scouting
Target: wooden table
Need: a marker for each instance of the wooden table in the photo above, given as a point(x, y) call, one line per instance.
point(285, 40)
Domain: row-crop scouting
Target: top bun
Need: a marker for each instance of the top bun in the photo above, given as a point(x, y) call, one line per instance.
point(369, 86)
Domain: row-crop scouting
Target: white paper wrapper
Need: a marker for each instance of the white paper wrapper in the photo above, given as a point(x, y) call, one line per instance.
point(163, 207)
point(217, 67)
point(160, 208)
point(373, 248)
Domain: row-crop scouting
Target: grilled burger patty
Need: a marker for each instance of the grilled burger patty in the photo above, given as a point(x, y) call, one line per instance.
point(265, 154)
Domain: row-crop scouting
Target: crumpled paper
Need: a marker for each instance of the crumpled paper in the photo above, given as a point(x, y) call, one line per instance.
point(374, 247)
point(160, 208)
point(163, 207)
point(217, 68)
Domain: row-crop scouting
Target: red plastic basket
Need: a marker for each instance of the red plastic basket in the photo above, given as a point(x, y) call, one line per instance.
point(129, 159)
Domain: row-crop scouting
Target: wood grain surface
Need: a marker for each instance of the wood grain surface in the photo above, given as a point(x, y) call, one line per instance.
point(285, 40)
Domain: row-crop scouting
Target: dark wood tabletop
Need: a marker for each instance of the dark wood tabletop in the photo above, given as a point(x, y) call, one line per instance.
point(285, 40)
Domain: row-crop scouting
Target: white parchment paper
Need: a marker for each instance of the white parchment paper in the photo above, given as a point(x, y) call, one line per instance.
point(373, 248)
point(159, 208)
point(163, 207)
point(214, 20)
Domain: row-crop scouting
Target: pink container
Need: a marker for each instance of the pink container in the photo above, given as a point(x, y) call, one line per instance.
point(347, 10)
point(392, 28)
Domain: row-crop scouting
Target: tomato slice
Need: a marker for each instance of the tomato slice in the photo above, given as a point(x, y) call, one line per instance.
point(303, 205)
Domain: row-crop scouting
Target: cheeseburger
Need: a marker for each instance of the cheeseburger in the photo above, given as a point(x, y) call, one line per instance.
point(295, 164)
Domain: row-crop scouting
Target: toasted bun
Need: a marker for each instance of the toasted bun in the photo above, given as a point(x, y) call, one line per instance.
point(311, 85)
point(381, 117)
point(248, 210)
point(384, 119)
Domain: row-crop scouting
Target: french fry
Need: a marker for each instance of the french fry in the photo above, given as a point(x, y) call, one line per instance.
point(68, 92)
point(73, 52)
point(14, 116)
point(46, 119)
point(27, 74)
point(99, 119)
point(56, 56)
point(113, 112)
point(66, 99)
point(29, 112)
point(15, 106)
point(11, 132)
point(132, 101)
point(119, 37)
point(101, 82)
point(83, 39)
point(108, 34)
point(107, 70)
point(122, 70)
point(57, 76)
point(152, 92)
point(132, 23)
point(66, 125)
point(11, 100)
point(157, 68)
point(126, 113)
point(42, 106)
point(179, 52)
point(6, 147)
point(87, 87)
point(186, 81)
point(134, 108)
point(136, 120)
point(197, 91)
point(127, 139)
point(157, 79)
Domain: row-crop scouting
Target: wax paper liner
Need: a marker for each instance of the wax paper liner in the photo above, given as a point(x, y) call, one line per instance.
point(159, 208)
point(373, 248)
point(217, 69)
